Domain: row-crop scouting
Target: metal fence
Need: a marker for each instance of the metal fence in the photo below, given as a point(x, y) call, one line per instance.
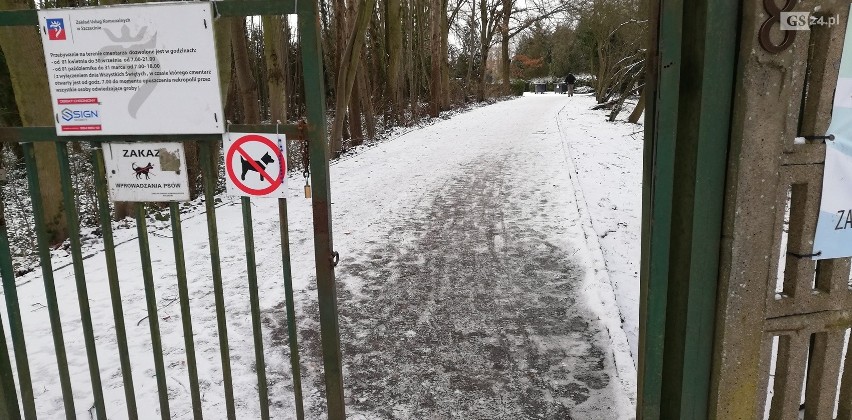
point(17, 399)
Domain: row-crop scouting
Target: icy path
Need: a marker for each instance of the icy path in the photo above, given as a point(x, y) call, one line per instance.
point(470, 287)
point(475, 296)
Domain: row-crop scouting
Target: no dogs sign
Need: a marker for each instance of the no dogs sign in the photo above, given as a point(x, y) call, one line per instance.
point(255, 165)
point(146, 171)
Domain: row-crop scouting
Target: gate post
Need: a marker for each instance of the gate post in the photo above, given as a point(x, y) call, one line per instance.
point(321, 201)
point(749, 267)
point(775, 302)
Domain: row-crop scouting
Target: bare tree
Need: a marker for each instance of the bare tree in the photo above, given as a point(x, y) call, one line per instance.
point(22, 48)
point(246, 83)
point(274, 52)
point(393, 43)
point(349, 65)
point(489, 13)
point(438, 54)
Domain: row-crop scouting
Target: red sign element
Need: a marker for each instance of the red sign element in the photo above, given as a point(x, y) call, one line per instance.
point(237, 147)
point(76, 101)
point(92, 127)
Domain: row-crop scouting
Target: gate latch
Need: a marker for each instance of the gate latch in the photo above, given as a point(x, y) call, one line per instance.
point(335, 258)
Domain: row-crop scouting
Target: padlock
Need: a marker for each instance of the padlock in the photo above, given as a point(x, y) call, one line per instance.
point(307, 191)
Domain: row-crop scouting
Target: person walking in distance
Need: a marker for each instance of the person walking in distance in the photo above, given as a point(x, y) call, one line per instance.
point(570, 80)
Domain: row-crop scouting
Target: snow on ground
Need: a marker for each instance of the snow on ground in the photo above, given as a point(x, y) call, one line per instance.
point(608, 160)
point(470, 284)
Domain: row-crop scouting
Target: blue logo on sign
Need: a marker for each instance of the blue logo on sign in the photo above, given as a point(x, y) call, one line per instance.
point(69, 115)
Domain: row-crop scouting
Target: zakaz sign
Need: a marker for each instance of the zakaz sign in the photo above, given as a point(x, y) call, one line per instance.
point(146, 172)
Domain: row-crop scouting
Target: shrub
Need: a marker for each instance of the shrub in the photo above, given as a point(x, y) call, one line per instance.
point(518, 87)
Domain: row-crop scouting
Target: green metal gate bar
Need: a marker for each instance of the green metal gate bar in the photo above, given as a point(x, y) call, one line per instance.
point(321, 198)
point(80, 277)
point(313, 131)
point(49, 286)
point(114, 287)
point(153, 318)
point(657, 186)
point(48, 133)
point(9, 408)
point(225, 351)
point(291, 311)
point(251, 270)
point(10, 292)
point(185, 313)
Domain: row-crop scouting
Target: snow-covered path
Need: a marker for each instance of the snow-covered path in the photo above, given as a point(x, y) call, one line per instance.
point(469, 287)
point(473, 298)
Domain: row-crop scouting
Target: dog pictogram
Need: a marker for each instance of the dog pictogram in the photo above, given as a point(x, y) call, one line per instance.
point(142, 170)
point(263, 154)
point(247, 166)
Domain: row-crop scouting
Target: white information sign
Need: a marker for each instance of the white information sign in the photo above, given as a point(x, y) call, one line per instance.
point(833, 238)
point(255, 165)
point(146, 171)
point(133, 69)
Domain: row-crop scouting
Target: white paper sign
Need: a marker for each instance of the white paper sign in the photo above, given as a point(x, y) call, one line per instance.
point(133, 69)
point(833, 238)
point(146, 171)
point(255, 165)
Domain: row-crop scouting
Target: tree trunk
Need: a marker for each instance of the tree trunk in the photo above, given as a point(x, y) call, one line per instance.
point(504, 44)
point(222, 34)
point(472, 51)
point(245, 81)
point(483, 51)
point(273, 51)
point(289, 83)
point(393, 43)
point(435, 79)
point(346, 77)
point(616, 108)
point(640, 107)
point(601, 94)
point(411, 66)
point(421, 53)
point(367, 103)
point(341, 29)
point(28, 72)
point(445, 64)
point(356, 133)
point(224, 59)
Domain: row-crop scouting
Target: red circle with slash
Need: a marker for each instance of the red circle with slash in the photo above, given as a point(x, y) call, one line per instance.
point(237, 147)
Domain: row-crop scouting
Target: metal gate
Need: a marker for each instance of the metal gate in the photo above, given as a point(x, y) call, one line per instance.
point(16, 388)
